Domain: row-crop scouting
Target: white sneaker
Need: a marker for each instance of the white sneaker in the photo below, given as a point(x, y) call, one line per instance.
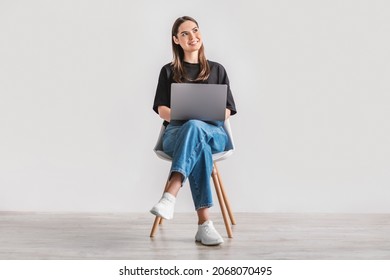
point(208, 235)
point(165, 207)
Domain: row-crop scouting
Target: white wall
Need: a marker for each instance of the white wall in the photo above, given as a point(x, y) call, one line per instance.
point(310, 79)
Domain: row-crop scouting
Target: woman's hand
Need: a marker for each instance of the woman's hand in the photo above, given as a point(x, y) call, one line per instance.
point(227, 114)
point(165, 113)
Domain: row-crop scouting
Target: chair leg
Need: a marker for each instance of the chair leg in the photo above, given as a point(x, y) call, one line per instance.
point(158, 220)
point(221, 202)
point(225, 198)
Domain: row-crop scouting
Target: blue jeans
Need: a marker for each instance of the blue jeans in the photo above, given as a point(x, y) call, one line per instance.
point(191, 146)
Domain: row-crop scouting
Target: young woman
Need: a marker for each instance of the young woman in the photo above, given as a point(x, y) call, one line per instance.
point(191, 143)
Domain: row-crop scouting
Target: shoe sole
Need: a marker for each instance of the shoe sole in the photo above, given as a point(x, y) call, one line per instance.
point(211, 244)
point(158, 214)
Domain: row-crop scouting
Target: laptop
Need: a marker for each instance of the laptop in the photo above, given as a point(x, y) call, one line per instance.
point(206, 102)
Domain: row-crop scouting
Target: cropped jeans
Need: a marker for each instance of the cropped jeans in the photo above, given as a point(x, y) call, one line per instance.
point(191, 146)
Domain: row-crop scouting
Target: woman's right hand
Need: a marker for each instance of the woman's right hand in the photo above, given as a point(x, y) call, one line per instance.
point(165, 113)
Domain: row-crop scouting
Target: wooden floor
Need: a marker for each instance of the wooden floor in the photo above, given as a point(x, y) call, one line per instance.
point(256, 236)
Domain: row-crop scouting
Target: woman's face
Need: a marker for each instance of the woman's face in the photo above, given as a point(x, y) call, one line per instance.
point(188, 37)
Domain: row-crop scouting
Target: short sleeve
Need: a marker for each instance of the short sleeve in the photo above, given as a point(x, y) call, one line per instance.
point(163, 91)
point(230, 104)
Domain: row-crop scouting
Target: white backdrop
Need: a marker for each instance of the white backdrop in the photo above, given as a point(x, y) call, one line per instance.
point(310, 79)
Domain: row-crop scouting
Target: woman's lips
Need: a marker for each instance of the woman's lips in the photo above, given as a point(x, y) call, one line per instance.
point(193, 43)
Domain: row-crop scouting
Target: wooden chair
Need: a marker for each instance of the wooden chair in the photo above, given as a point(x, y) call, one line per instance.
point(219, 187)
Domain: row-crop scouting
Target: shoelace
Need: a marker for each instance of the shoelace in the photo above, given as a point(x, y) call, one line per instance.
point(165, 201)
point(209, 229)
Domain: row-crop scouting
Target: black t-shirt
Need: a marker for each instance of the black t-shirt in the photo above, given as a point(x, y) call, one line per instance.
point(218, 75)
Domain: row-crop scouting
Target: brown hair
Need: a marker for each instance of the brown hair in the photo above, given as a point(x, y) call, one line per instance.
point(179, 74)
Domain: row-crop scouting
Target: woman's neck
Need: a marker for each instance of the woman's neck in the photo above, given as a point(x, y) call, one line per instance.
point(191, 57)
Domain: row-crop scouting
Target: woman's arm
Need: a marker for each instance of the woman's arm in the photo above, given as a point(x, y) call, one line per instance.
point(165, 113)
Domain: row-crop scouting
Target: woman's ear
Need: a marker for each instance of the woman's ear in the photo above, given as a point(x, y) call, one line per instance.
point(175, 40)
